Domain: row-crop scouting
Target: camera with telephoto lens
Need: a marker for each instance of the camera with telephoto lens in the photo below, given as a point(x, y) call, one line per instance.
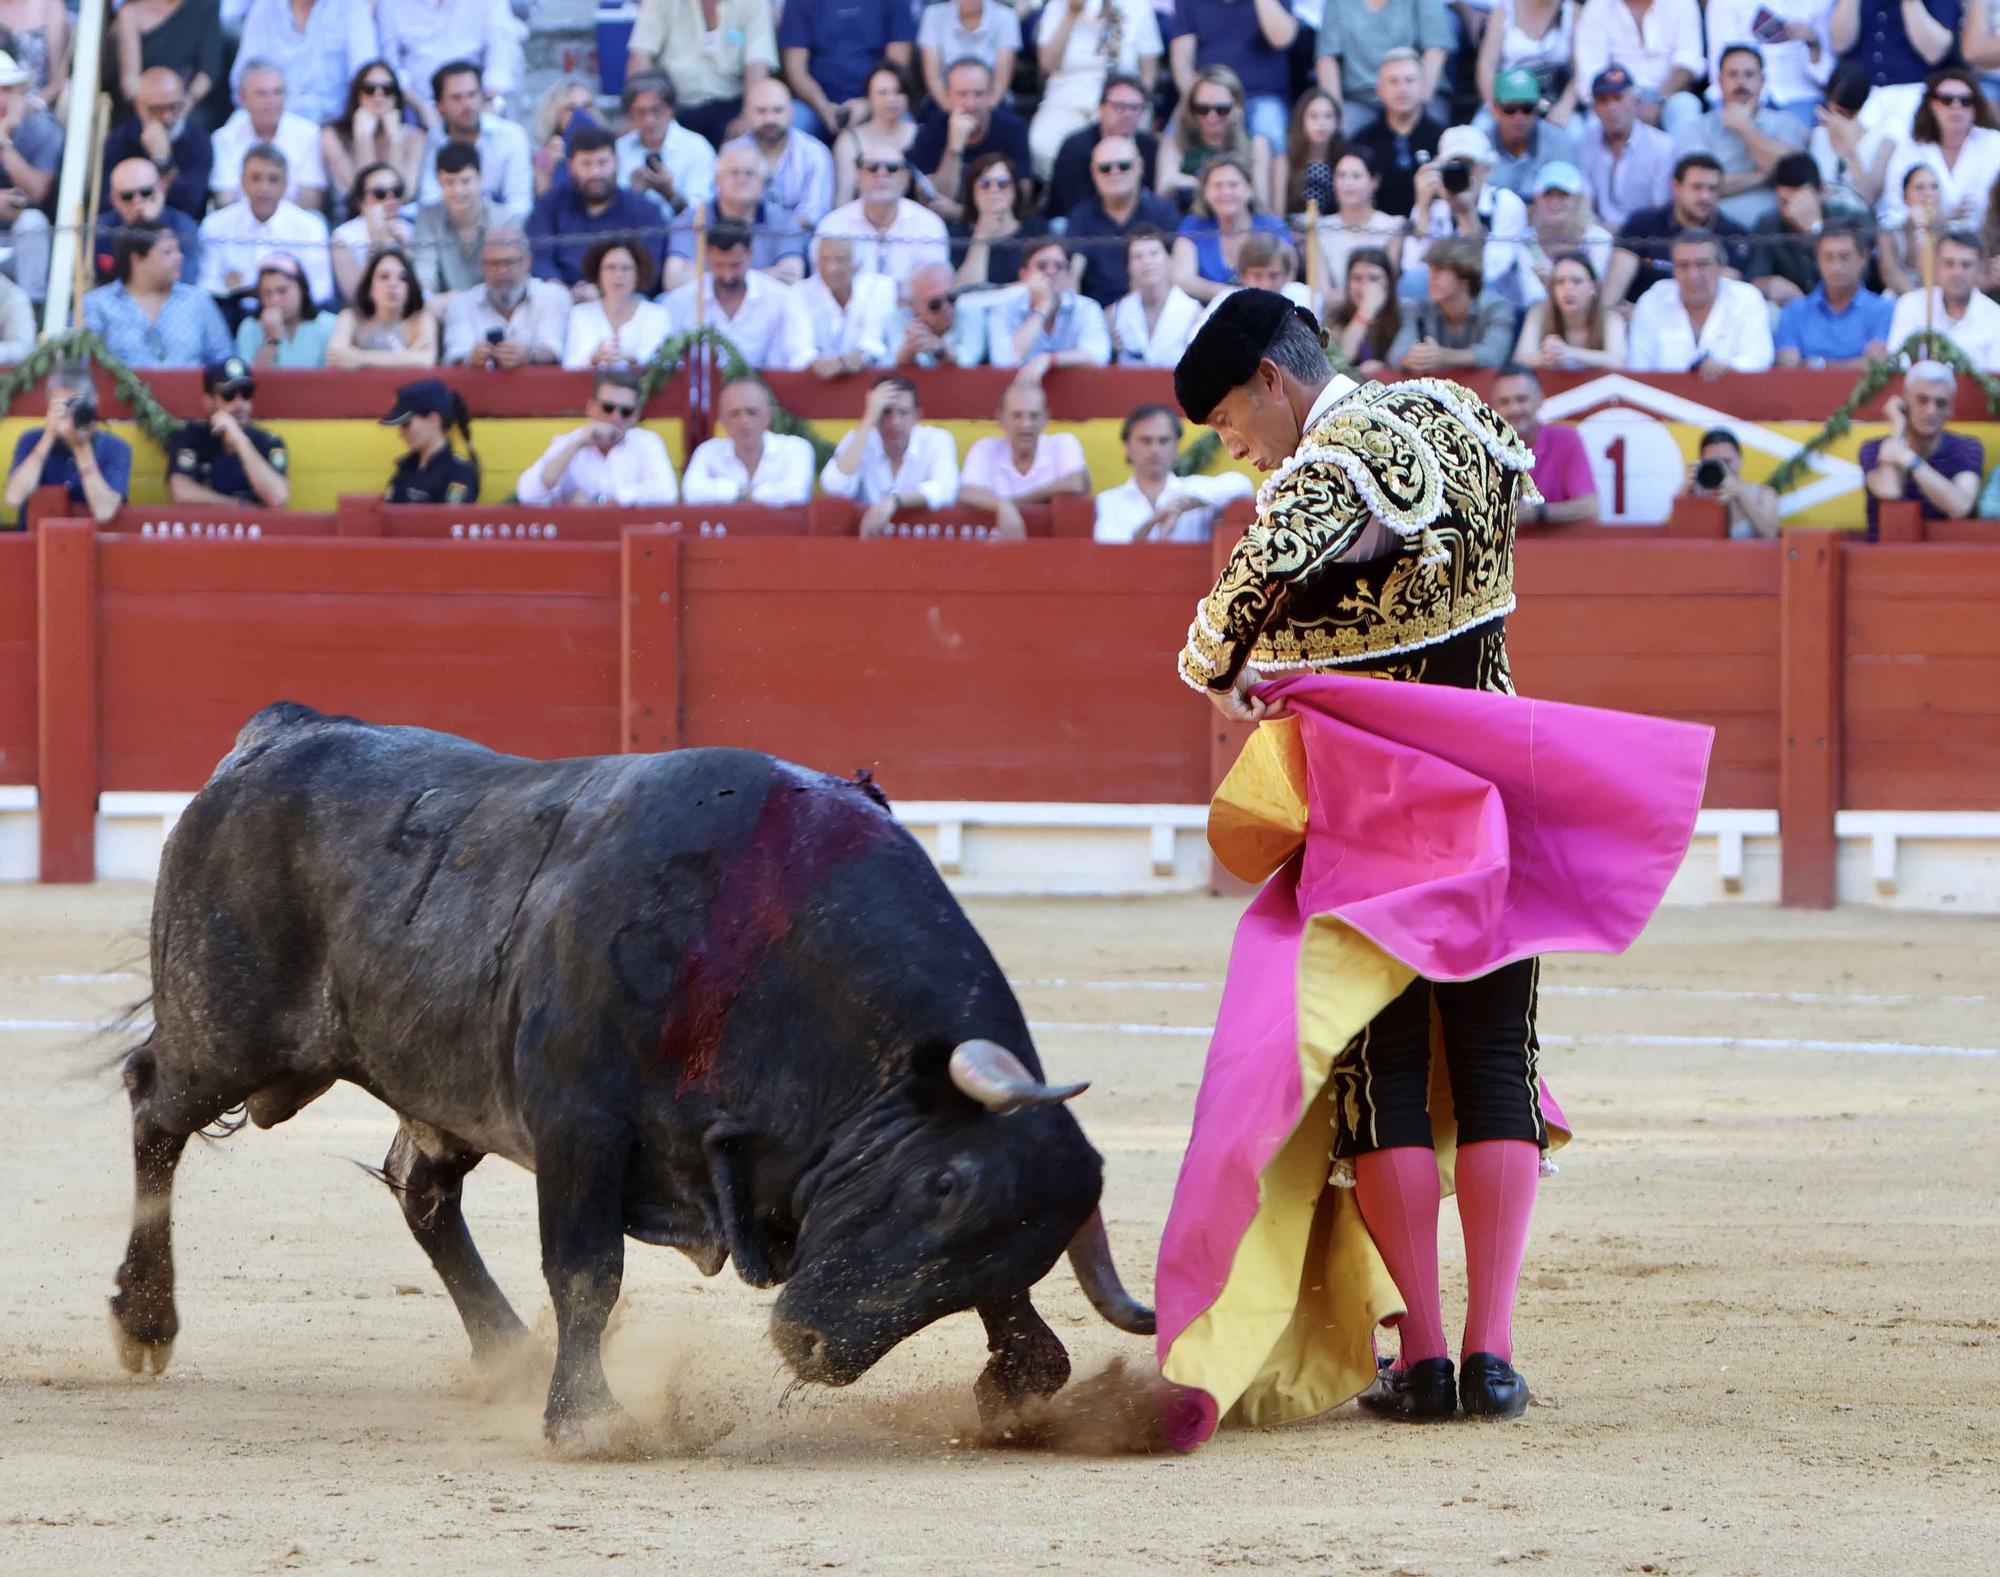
point(83, 411)
point(1710, 475)
point(1455, 176)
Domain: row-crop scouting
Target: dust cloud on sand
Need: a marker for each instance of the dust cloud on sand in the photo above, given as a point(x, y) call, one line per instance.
point(1758, 1316)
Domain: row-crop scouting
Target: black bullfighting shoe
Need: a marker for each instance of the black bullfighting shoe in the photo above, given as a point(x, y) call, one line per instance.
point(1424, 1393)
point(1491, 1387)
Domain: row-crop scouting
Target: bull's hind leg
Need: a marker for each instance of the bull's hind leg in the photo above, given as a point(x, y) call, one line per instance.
point(426, 1170)
point(166, 1110)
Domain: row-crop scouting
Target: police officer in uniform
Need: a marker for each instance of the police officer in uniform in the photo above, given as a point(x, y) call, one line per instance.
point(226, 460)
point(432, 472)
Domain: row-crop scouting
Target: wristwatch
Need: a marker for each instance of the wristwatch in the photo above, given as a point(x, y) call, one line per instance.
point(1913, 464)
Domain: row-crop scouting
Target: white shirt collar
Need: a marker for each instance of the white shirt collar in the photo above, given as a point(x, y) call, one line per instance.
point(1338, 388)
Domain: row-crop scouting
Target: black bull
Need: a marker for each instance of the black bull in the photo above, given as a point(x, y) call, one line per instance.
point(711, 999)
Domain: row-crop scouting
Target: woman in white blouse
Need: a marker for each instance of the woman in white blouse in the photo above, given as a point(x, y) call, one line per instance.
point(620, 328)
point(378, 225)
point(1530, 35)
point(1955, 134)
point(1151, 326)
point(1355, 222)
point(387, 326)
point(1077, 42)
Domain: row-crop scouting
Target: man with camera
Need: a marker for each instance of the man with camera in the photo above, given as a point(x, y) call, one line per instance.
point(71, 451)
point(1455, 199)
point(1718, 473)
point(225, 459)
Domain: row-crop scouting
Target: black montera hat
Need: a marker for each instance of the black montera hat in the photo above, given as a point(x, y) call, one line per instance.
point(1231, 343)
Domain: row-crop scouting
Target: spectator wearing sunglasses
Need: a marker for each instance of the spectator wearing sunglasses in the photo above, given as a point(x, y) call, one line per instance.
point(225, 458)
point(1524, 140)
point(988, 246)
point(891, 234)
point(1123, 108)
point(371, 130)
point(317, 57)
point(263, 220)
point(377, 226)
point(1953, 136)
point(611, 459)
point(136, 196)
point(160, 128)
point(930, 329)
point(1119, 204)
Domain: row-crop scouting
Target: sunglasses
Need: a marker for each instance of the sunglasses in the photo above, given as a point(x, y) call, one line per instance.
point(378, 90)
point(992, 183)
point(1208, 110)
point(233, 391)
point(884, 166)
point(1114, 166)
point(379, 192)
point(1517, 109)
point(1963, 101)
point(137, 196)
point(937, 303)
point(626, 411)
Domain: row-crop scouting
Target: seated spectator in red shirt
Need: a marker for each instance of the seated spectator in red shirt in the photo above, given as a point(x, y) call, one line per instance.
point(970, 123)
point(1562, 466)
point(1920, 459)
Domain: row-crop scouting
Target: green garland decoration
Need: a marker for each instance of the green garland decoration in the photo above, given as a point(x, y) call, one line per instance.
point(159, 423)
point(1925, 344)
point(673, 354)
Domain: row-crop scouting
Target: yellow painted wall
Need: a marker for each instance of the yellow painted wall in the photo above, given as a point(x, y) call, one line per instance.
point(329, 458)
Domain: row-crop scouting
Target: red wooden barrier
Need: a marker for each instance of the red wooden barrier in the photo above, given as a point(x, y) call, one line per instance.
point(1809, 767)
point(1919, 678)
point(67, 699)
point(841, 517)
point(207, 522)
point(370, 516)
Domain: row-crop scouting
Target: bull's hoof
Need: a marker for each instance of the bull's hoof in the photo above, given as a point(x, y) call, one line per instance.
point(140, 1354)
point(607, 1434)
point(1019, 1373)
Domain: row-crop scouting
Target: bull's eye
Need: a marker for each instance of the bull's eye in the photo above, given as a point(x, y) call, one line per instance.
point(945, 1184)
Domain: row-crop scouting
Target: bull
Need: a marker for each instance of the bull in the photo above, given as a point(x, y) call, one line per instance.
point(711, 999)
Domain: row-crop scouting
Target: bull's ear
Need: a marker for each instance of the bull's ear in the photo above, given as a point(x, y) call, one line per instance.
point(990, 1074)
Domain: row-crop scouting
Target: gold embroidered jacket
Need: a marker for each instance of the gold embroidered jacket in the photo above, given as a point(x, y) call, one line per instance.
point(1443, 472)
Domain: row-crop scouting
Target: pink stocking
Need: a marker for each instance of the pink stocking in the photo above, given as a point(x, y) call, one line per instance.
point(1398, 1194)
point(1496, 1193)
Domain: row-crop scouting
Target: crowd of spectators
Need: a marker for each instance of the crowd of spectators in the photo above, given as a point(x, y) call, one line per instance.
point(877, 185)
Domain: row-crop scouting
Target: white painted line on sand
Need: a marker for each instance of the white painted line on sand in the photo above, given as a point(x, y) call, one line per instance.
point(115, 978)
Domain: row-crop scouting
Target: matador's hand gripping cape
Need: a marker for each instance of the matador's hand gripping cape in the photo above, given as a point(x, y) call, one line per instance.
point(1405, 830)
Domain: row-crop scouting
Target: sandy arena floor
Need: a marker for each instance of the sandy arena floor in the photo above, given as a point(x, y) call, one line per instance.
point(1760, 1317)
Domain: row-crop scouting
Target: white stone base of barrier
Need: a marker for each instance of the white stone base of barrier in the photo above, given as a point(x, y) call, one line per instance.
point(1931, 861)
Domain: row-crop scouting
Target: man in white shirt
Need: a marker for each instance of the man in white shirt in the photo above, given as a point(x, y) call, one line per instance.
point(1155, 505)
point(507, 173)
point(801, 168)
point(513, 321)
point(235, 239)
point(747, 463)
point(658, 156)
point(421, 37)
point(1041, 323)
point(1959, 310)
point(758, 315)
point(891, 234)
point(889, 463)
point(611, 460)
point(849, 313)
point(930, 328)
point(1698, 320)
point(1659, 43)
point(264, 118)
point(1029, 465)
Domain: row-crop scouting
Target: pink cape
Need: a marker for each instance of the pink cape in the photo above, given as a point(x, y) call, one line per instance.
point(1457, 831)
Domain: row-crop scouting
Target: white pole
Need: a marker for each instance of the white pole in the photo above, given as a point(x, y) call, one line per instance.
point(79, 167)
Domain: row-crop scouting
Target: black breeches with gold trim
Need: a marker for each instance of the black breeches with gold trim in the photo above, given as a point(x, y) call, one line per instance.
point(1487, 1032)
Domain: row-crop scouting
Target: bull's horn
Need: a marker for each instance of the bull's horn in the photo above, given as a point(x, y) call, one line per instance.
point(993, 1076)
point(1090, 1258)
